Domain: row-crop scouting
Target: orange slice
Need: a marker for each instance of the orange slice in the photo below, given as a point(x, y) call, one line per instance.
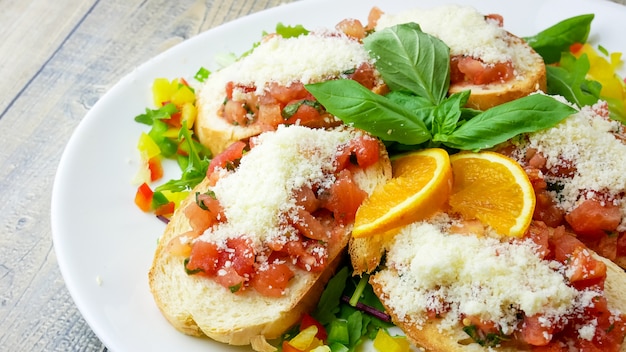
point(494, 189)
point(420, 186)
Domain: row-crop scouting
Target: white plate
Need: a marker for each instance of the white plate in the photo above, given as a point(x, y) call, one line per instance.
point(104, 244)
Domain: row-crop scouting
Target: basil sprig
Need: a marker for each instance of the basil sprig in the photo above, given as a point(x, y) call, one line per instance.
point(417, 111)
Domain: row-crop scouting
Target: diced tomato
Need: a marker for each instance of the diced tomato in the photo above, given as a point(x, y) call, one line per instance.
point(474, 71)
point(143, 197)
point(496, 17)
point(584, 270)
point(235, 113)
point(273, 280)
point(205, 257)
point(201, 219)
point(546, 209)
point(241, 255)
point(621, 244)
point(353, 28)
point(593, 218)
point(230, 279)
point(366, 150)
point(286, 94)
point(310, 227)
point(306, 198)
point(308, 320)
point(344, 198)
point(305, 115)
point(564, 245)
point(230, 155)
point(540, 235)
point(314, 257)
point(364, 74)
point(606, 246)
point(535, 332)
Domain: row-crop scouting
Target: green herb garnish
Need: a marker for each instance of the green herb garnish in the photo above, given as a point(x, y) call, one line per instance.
point(417, 112)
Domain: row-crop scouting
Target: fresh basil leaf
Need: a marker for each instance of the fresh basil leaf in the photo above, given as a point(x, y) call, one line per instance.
point(569, 80)
point(551, 42)
point(503, 122)
point(421, 107)
point(447, 114)
point(358, 106)
point(410, 60)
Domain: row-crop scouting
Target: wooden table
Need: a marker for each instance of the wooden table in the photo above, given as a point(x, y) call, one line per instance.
point(56, 60)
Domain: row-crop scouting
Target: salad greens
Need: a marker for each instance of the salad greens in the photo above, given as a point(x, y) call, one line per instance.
point(416, 67)
point(346, 325)
point(553, 41)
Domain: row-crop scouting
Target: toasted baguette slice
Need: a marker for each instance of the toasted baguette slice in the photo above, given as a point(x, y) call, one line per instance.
point(199, 306)
point(261, 81)
point(433, 334)
point(530, 77)
point(430, 338)
point(469, 33)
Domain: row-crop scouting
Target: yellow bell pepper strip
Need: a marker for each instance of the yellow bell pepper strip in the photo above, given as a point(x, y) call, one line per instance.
point(386, 343)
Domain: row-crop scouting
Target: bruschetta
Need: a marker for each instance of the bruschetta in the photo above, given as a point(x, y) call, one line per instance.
point(266, 88)
point(450, 289)
point(250, 250)
point(494, 64)
point(579, 176)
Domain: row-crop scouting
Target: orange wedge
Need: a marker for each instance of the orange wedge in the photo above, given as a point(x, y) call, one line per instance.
point(494, 189)
point(420, 186)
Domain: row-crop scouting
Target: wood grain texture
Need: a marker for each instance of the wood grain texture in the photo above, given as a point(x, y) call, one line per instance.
point(57, 58)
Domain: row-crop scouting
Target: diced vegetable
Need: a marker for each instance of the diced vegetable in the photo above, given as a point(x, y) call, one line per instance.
point(386, 343)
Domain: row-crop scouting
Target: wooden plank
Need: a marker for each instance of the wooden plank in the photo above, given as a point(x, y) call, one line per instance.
point(71, 65)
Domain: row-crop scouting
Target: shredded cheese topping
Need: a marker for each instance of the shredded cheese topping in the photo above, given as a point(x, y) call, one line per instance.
point(429, 269)
point(590, 142)
point(465, 31)
point(257, 197)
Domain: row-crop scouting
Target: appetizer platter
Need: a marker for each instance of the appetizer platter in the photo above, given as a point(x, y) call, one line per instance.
point(107, 251)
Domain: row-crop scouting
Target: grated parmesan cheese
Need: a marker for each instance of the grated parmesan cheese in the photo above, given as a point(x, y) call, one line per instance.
point(588, 141)
point(258, 196)
point(435, 271)
point(465, 31)
point(307, 58)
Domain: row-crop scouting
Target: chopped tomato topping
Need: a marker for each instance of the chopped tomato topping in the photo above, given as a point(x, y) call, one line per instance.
point(229, 156)
point(535, 331)
point(465, 69)
point(273, 280)
point(204, 257)
point(594, 218)
point(344, 198)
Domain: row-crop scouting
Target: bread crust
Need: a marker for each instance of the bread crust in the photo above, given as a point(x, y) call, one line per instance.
point(199, 306)
point(528, 80)
point(430, 338)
